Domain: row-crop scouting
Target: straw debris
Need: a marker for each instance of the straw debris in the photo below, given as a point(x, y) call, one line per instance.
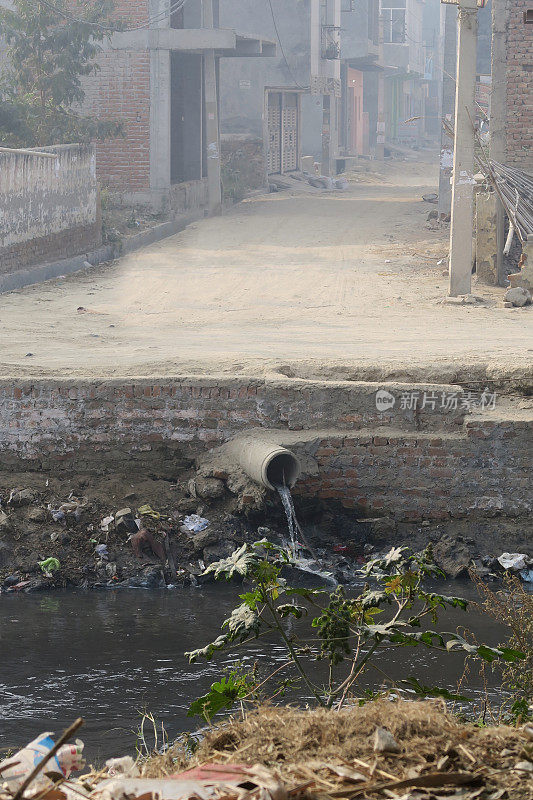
point(332, 753)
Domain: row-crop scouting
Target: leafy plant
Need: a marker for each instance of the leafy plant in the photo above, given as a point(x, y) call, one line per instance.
point(50, 50)
point(224, 693)
point(513, 606)
point(346, 633)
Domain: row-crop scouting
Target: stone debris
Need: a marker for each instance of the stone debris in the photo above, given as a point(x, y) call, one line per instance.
point(21, 497)
point(453, 556)
point(384, 742)
point(93, 539)
point(463, 299)
point(518, 296)
point(209, 488)
point(125, 521)
point(5, 522)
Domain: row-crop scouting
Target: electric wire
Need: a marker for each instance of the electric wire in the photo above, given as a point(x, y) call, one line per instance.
point(175, 6)
point(282, 49)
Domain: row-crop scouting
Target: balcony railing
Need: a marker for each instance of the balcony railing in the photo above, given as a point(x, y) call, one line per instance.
point(331, 44)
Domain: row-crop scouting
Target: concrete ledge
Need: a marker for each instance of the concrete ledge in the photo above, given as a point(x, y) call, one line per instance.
point(46, 272)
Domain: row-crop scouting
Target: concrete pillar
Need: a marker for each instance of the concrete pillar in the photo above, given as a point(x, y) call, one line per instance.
point(498, 113)
point(326, 134)
point(160, 93)
point(486, 247)
point(449, 65)
point(380, 129)
point(463, 160)
point(211, 120)
point(527, 263)
point(329, 134)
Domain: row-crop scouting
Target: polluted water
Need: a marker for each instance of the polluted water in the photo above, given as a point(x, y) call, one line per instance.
point(290, 512)
point(299, 561)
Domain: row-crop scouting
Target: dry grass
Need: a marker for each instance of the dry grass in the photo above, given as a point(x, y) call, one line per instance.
point(301, 745)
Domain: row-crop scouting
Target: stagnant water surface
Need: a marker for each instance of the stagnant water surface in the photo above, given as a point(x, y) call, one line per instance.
point(107, 656)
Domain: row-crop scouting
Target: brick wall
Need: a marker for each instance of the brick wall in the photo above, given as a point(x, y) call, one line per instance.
point(120, 91)
point(519, 129)
point(50, 248)
point(61, 416)
point(132, 12)
point(484, 470)
point(49, 207)
point(411, 465)
point(243, 165)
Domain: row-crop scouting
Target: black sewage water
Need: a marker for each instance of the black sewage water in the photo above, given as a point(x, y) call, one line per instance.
point(108, 656)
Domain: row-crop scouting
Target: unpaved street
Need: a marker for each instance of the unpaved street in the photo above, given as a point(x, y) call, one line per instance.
point(321, 284)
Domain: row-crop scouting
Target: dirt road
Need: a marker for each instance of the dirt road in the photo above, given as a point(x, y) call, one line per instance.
point(311, 284)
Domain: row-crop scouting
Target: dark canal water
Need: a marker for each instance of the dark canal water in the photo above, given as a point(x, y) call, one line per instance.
point(108, 656)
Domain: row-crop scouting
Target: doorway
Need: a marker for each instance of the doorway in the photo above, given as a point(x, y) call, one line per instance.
point(283, 116)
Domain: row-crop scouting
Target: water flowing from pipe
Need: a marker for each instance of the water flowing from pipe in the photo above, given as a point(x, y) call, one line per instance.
point(290, 513)
point(304, 564)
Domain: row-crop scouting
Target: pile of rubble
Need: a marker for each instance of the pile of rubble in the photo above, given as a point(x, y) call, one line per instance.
point(48, 541)
point(398, 750)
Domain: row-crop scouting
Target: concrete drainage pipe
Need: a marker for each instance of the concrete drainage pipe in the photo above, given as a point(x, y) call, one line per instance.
point(265, 462)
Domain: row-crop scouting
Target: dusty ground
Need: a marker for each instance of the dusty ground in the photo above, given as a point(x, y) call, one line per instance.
point(323, 284)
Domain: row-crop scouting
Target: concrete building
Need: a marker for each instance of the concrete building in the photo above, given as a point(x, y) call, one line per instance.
point(160, 79)
point(361, 129)
point(405, 68)
point(291, 102)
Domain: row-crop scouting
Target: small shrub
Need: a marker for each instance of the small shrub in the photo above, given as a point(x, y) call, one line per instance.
point(513, 606)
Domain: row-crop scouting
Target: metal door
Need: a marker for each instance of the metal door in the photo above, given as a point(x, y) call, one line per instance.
point(283, 120)
point(274, 132)
point(289, 132)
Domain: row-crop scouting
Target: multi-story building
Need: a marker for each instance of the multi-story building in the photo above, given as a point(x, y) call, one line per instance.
point(160, 79)
point(405, 68)
point(292, 101)
point(361, 128)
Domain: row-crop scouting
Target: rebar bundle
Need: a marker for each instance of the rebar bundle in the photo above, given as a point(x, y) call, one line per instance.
point(516, 187)
point(513, 186)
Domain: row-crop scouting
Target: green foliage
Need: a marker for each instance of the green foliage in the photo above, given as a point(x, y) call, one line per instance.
point(513, 607)
point(433, 691)
point(234, 187)
point(346, 633)
point(48, 55)
point(239, 563)
point(223, 694)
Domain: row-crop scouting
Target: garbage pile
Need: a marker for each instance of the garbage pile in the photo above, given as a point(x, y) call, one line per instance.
point(46, 543)
point(164, 535)
point(398, 750)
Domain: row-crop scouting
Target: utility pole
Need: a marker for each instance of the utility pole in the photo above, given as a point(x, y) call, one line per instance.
point(463, 157)
point(449, 65)
point(214, 187)
point(500, 21)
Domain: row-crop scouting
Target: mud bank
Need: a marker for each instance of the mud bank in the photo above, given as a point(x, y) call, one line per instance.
point(95, 545)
